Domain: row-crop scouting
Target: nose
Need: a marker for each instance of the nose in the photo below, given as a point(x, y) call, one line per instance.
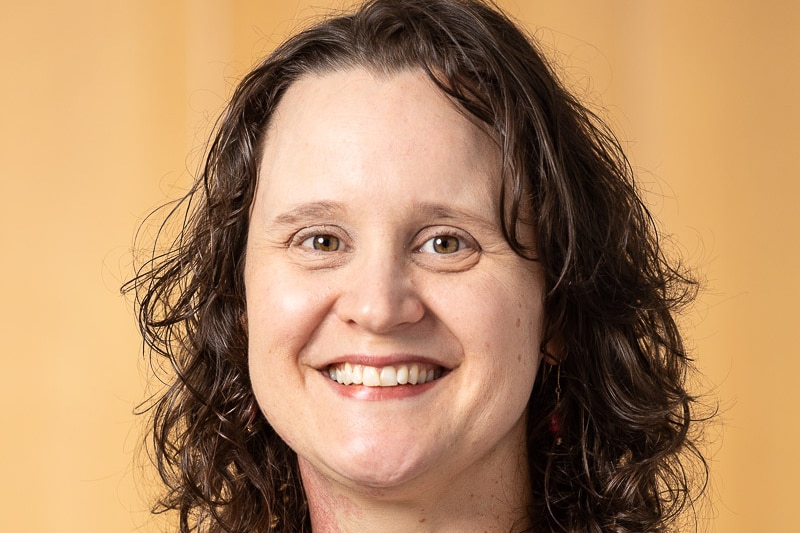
point(379, 295)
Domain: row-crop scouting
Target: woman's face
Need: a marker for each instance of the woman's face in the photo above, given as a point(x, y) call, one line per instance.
point(394, 334)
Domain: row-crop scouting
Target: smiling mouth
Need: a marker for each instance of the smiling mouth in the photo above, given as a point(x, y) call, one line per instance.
point(387, 376)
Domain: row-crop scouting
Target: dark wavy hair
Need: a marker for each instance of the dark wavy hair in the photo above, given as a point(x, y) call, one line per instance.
point(623, 457)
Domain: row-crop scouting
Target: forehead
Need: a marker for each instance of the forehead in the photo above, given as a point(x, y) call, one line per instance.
point(354, 124)
point(356, 90)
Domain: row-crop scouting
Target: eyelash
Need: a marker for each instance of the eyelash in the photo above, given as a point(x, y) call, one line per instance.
point(321, 238)
point(306, 239)
point(429, 245)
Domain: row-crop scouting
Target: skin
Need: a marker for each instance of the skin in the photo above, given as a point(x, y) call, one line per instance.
point(360, 175)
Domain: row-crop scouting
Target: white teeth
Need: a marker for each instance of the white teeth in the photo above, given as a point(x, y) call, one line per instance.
point(413, 374)
point(358, 374)
point(371, 377)
point(402, 375)
point(387, 376)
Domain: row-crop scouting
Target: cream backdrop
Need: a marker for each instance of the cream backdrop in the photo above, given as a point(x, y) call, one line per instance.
point(105, 104)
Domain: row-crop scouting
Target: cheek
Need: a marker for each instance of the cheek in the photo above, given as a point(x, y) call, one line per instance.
point(282, 315)
point(500, 333)
point(504, 318)
point(283, 309)
point(515, 330)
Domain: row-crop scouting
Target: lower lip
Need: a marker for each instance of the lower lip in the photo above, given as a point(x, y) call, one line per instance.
point(360, 392)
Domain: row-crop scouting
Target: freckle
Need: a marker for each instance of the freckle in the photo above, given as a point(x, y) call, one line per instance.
point(518, 322)
point(421, 520)
point(519, 358)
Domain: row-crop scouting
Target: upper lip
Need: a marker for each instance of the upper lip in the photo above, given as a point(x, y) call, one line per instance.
point(379, 361)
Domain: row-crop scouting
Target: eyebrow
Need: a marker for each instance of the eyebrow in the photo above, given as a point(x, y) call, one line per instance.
point(304, 212)
point(446, 212)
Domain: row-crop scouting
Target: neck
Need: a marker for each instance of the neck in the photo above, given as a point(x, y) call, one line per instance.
point(491, 497)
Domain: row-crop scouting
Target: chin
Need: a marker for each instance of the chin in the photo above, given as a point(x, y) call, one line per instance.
point(382, 467)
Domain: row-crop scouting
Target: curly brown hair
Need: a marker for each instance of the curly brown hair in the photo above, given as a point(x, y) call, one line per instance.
point(623, 458)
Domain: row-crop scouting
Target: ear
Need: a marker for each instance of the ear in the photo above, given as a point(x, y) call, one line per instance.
point(553, 351)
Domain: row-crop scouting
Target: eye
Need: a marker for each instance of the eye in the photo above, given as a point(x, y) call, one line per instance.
point(442, 244)
point(322, 243)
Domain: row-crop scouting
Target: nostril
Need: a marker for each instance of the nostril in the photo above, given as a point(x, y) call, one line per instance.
point(380, 307)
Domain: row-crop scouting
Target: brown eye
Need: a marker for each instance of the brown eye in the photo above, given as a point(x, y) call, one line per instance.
point(322, 243)
point(442, 244)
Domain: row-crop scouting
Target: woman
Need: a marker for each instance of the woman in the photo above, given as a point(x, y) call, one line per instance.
point(417, 291)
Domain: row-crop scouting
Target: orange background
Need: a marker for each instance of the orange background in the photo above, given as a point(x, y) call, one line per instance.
point(104, 107)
